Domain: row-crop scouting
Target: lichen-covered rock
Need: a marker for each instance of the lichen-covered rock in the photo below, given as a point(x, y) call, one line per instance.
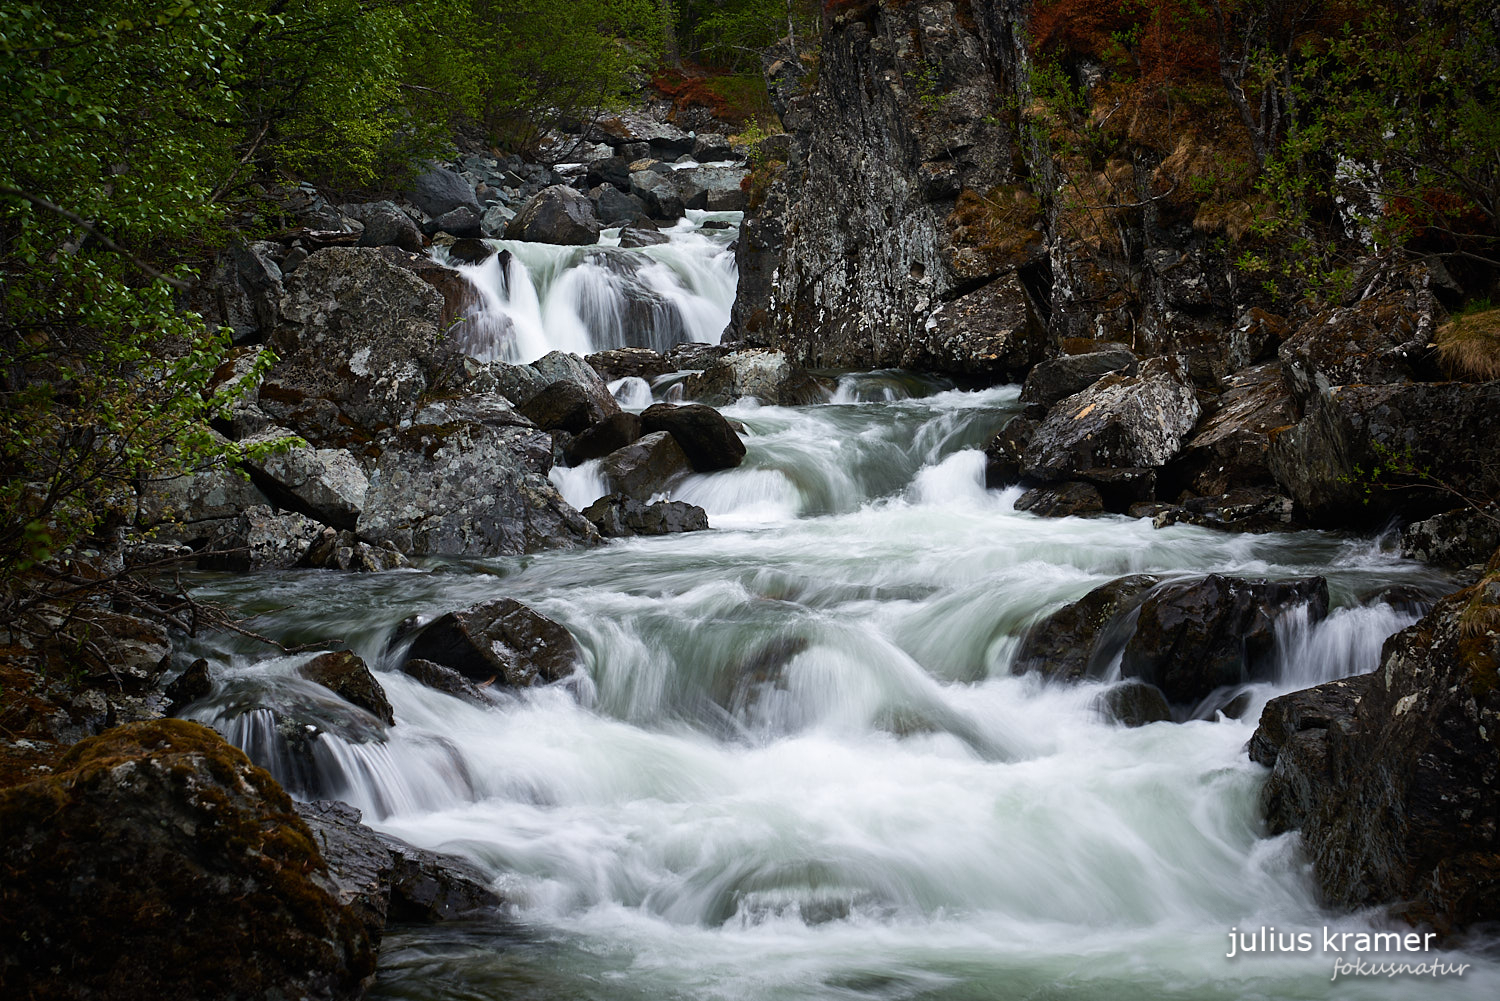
point(357, 337)
point(343, 550)
point(1418, 439)
point(1458, 538)
point(1381, 339)
point(765, 375)
point(1392, 777)
point(1194, 637)
point(189, 507)
point(347, 675)
point(1231, 447)
point(1120, 422)
point(158, 862)
point(323, 483)
point(991, 332)
point(558, 215)
point(704, 434)
point(502, 642)
point(620, 363)
point(467, 489)
point(261, 538)
point(619, 516)
point(646, 466)
point(1059, 378)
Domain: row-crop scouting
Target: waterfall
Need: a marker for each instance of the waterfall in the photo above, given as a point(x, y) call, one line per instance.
point(535, 297)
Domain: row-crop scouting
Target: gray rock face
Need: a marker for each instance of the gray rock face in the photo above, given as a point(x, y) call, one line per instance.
point(244, 290)
point(501, 641)
point(991, 332)
point(1410, 431)
point(468, 489)
point(1391, 776)
point(614, 207)
point(1060, 378)
point(661, 192)
point(385, 226)
point(179, 506)
point(1120, 422)
point(618, 516)
point(150, 822)
point(358, 333)
point(558, 215)
point(1458, 538)
point(717, 189)
point(646, 466)
point(438, 190)
point(324, 483)
point(765, 375)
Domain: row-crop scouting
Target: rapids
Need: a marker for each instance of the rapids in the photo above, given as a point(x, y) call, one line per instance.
point(794, 763)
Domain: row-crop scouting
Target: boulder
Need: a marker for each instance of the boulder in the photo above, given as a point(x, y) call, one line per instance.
point(260, 538)
point(621, 363)
point(765, 375)
point(1231, 447)
point(1457, 538)
point(471, 250)
point(463, 221)
point(502, 642)
point(646, 466)
point(323, 483)
point(642, 234)
point(346, 675)
point(385, 226)
point(358, 335)
point(1120, 422)
point(661, 191)
point(1197, 636)
point(446, 680)
point(709, 147)
point(558, 215)
point(1135, 704)
point(243, 292)
point(619, 516)
point(614, 207)
point(343, 550)
point(190, 507)
point(1075, 642)
point(563, 406)
point(555, 366)
point(705, 436)
point(1391, 777)
point(1362, 454)
point(1051, 381)
point(717, 189)
point(1381, 339)
point(991, 332)
point(1062, 500)
point(495, 220)
point(468, 489)
point(614, 432)
point(192, 684)
point(438, 190)
point(158, 862)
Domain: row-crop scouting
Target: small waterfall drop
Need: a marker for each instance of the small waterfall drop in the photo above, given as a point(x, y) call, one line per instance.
point(535, 297)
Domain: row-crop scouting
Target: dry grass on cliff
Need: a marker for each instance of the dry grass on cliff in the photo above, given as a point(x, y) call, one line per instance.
point(1000, 223)
point(1469, 346)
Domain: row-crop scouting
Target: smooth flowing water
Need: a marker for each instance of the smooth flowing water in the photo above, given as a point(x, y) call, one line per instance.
point(794, 762)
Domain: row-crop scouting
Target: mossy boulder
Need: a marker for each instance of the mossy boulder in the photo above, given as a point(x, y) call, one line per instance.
point(159, 863)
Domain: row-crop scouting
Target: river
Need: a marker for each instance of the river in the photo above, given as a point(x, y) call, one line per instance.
point(794, 763)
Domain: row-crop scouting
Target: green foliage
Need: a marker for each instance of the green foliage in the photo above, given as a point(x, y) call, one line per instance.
point(733, 33)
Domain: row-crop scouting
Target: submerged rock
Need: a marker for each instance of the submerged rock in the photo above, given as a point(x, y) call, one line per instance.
point(501, 641)
point(158, 862)
point(444, 679)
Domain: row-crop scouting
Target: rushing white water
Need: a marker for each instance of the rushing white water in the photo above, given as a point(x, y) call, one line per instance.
point(535, 297)
point(795, 763)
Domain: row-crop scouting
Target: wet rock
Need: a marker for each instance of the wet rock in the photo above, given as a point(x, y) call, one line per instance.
point(1062, 500)
point(621, 363)
point(358, 860)
point(558, 215)
point(563, 406)
point(614, 432)
point(646, 466)
point(343, 550)
point(146, 824)
point(1132, 703)
point(1458, 538)
point(322, 483)
point(558, 366)
point(1394, 793)
point(1241, 509)
point(347, 676)
point(470, 250)
point(1425, 439)
point(261, 538)
point(188, 687)
point(641, 234)
point(438, 190)
point(1054, 380)
point(357, 337)
point(1381, 339)
point(1075, 641)
point(705, 436)
point(466, 489)
point(501, 641)
point(1006, 452)
point(620, 516)
point(1120, 422)
point(990, 332)
point(445, 679)
point(1196, 636)
point(1231, 447)
point(765, 375)
point(385, 226)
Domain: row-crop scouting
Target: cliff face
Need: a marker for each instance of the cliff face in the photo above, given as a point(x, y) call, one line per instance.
point(934, 213)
